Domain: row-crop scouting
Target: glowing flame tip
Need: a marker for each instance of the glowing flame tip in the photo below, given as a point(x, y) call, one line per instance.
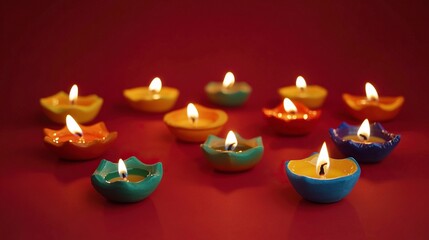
point(289, 106)
point(122, 169)
point(229, 80)
point(300, 83)
point(364, 131)
point(73, 94)
point(230, 141)
point(323, 162)
point(156, 85)
point(371, 92)
point(73, 126)
point(192, 113)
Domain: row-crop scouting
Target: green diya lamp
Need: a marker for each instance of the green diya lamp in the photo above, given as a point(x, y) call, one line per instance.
point(228, 93)
point(233, 153)
point(127, 181)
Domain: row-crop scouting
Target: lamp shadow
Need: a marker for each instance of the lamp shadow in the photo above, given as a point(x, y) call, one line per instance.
point(122, 215)
point(322, 221)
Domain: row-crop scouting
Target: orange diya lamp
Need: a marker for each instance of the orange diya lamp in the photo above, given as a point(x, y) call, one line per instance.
point(195, 122)
point(372, 106)
point(78, 142)
point(291, 118)
point(83, 108)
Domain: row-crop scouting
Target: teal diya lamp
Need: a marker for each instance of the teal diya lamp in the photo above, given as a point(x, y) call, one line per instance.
point(234, 153)
point(127, 181)
point(228, 93)
point(321, 179)
point(369, 143)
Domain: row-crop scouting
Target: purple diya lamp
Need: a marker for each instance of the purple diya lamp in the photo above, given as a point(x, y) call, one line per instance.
point(367, 143)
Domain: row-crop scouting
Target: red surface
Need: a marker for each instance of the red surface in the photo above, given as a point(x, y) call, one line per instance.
point(107, 46)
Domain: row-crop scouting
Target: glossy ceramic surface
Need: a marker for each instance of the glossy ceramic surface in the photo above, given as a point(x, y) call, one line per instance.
point(122, 191)
point(235, 96)
point(232, 161)
point(364, 152)
point(386, 108)
point(58, 141)
point(142, 99)
point(313, 96)
point(57, 107)
point(210, 121)
point(323, 190)
point(278, 120)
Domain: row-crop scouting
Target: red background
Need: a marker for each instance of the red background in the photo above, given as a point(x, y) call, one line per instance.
point(107, 46)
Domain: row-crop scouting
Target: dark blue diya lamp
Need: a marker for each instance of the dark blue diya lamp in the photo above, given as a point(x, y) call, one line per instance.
point(321, 179)
point(234, 153)
point(128, 181)
point(367, 143)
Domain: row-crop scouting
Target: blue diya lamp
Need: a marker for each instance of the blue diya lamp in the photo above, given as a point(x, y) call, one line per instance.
point(228, 93)
point(368, 147)
point(128, 181)
point(321, 179)
point(234, 153)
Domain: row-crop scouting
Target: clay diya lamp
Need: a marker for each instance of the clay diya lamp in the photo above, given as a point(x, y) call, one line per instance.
point(82, 108)
point(372, 106)
point(228, 93)
point(292, 118)
point(195, 123)
point(321, 179)
point(312, 96)
point(78, 142)
point(233, 153)
point(367, 143)
point(154, 98)
point(128, 181)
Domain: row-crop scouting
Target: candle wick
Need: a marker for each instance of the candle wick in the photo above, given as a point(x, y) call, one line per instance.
point(193, 120)
point(230, 147)
point(302, 89)
point(365, 138)
point(124, 177)
point(322, 169)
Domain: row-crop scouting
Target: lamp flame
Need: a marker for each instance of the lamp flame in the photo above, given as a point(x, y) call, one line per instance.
point(371, 92)
point(192, 113)
point(364, 131)
point(229, 80)
point(156, 85)
point(122, 169)
point(230, 141)
point(73, 126)
point(300, 83)
point(323, 162)
point(73, 94)
point(289, 106)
